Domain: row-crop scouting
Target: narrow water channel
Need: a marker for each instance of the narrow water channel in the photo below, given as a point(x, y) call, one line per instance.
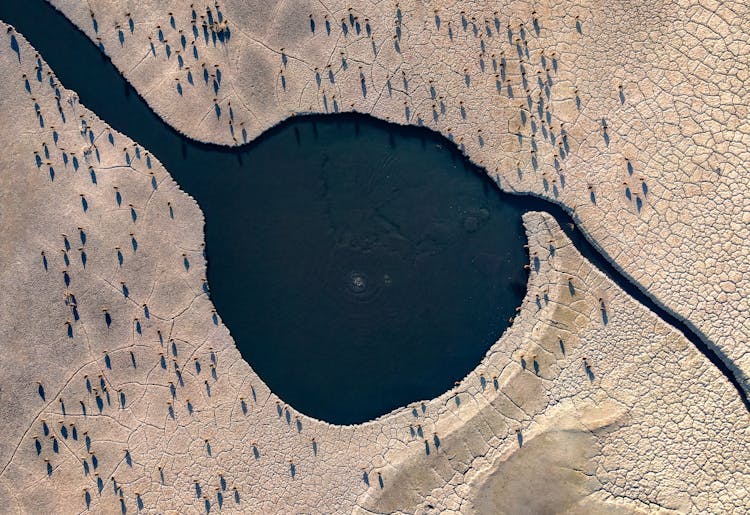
point(359, 265)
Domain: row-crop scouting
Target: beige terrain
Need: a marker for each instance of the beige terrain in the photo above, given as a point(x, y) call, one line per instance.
point(634, 115)
point(122, 389)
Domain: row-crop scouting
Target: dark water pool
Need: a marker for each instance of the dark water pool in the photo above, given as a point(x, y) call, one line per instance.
point(358, 268)
point(359, 265)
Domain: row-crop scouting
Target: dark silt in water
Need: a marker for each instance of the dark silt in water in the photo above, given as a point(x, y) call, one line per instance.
point(359, 265)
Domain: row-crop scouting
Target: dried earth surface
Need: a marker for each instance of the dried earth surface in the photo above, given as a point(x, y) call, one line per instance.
point(124, 390)
point(633, 115)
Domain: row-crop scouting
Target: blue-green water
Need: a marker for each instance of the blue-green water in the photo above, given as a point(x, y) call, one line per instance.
point(359, 265)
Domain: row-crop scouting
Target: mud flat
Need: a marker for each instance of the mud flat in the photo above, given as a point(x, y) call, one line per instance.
point(122, 387)
point(633, 116)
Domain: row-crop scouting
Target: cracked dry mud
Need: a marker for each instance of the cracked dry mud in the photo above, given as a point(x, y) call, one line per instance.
point(634, 114)
point(176, 421)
